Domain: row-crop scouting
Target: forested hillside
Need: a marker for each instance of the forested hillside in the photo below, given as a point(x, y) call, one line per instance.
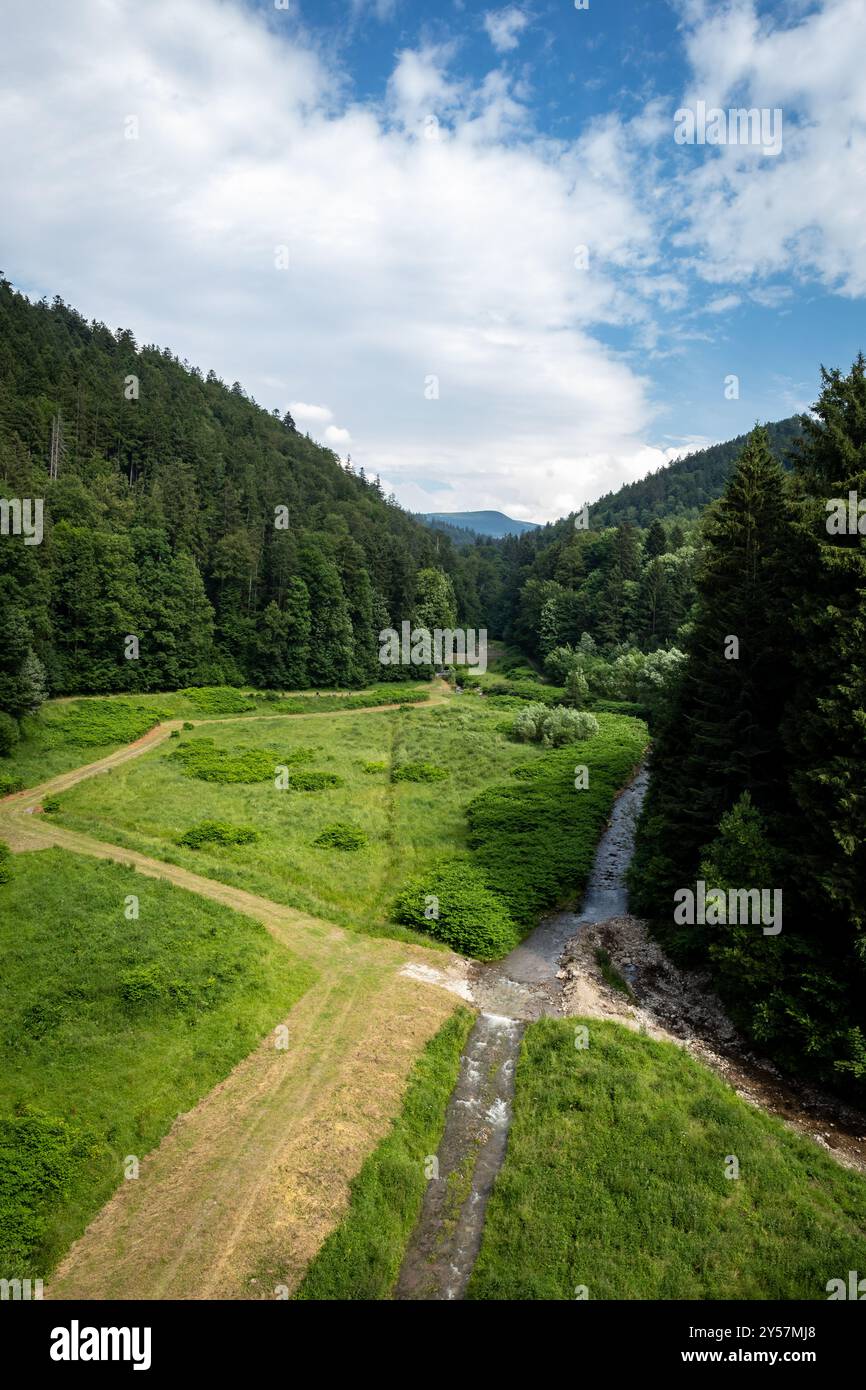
point(179, 512)
point(683, 488)
point(759, 762)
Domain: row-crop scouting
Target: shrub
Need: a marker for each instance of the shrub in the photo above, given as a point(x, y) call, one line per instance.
point(188, 725)
point(312, 781)
point(471, 918)
point(375, 767)
point(418, 772)
point(142, 986)
point(218, 699)
point(340, 835)
point(5, 862)
point(553, 728)
point(9, 784)
point(175, 733)
point(40, 1157)
point(9, 734)
point(217, 832)
point(51, 805)
point(202, 759)
point(93, 723)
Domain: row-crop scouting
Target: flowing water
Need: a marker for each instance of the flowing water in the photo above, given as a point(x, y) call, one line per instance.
point(524, 986)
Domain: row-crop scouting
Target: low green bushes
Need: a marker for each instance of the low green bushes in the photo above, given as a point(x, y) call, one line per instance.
point(342, 836)
point(41, 1157)
point(9, 784)
point(5, 862)
point(202, 759)
point(94, 723)
point(218, 699)
point(217, 832)
point(453, 902)
point(309, 780)
point(418, 772)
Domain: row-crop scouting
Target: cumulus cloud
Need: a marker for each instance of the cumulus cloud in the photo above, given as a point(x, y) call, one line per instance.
point(801, 213)
point(264, 225)
point(504, 27)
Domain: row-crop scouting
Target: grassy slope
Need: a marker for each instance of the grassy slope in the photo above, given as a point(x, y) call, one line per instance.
point(361, 1259)
point(116, 1073)
point(49, 745)
point(536, 836)
point(615, 1179)
point(145, 804)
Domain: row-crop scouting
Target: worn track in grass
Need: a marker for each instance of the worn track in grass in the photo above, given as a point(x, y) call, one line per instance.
point(244, 1188)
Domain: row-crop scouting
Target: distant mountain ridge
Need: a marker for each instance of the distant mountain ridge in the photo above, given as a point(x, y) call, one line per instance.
point(493, 524)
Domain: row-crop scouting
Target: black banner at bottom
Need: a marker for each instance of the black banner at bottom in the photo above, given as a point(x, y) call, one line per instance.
point(151, 1338)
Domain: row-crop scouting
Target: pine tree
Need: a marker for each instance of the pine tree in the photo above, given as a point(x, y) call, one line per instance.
point(722, 734)
point(655, 542)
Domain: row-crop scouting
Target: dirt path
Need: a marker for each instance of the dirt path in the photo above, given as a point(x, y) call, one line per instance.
point(241, 1192)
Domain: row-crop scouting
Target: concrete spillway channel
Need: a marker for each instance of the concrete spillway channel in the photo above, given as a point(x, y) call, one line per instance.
point(524, 986)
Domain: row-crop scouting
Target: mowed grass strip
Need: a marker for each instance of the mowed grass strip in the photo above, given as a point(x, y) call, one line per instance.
point(111, 1027)
point(362, 1257)
point(615, 1179)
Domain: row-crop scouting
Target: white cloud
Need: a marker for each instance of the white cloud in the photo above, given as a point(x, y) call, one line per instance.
point(504, 26)
point(304, 414)
point(336, 436)
point(722, 303)
point(408, 257)
point(801, 213)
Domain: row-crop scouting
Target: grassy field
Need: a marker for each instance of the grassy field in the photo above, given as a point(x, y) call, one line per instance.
point(615, 1179)
point(150, 803)
point(361, 1258)
point(111, 1027)
point(68, 732)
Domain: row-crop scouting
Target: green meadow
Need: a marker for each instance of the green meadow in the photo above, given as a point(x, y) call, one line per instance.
point(151, 802)
point(616, 1183)
point(110, 1027)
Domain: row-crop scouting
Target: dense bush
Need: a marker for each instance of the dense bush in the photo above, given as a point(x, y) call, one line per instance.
point(202, 759)
point(217, 832)
point(340, 835)
point(554, 727)
point(92, 723)
point(375, 767)
point(526, 690)
point(218, 699)
point(312, 781)
point(9, 784)
point(9, 734)
point(5, 862)
point(40, 1157)
point(418, 772)
point(51, 805)
point(470, 918)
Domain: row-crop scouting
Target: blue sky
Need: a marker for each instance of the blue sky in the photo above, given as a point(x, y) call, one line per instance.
point(459, 240)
